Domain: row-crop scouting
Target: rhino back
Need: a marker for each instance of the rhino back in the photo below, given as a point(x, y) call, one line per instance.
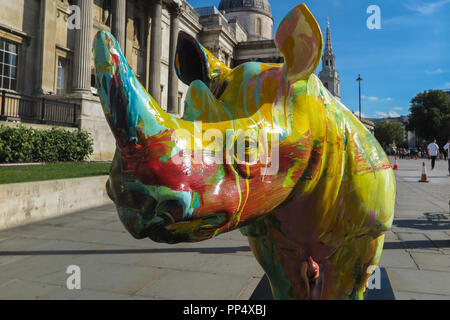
point(367, 190)
point(348, 184)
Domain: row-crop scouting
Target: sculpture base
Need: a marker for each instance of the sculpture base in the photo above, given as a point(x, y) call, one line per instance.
point(263, 292)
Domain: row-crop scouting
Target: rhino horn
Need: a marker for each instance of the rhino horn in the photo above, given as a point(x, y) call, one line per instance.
point(128, 107)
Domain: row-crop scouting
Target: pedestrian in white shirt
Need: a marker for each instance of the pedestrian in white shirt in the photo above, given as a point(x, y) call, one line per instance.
point(433, 152)
point(447, 149)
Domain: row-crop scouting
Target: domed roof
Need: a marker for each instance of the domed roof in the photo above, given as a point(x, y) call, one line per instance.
point(241, 5)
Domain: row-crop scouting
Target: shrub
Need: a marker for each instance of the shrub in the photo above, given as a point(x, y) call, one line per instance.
point(23, 144)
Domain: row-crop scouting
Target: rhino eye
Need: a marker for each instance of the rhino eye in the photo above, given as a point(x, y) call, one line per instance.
point(246, 158)
point(245, 151)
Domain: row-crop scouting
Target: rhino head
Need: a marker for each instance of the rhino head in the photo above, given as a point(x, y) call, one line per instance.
point(161, 189)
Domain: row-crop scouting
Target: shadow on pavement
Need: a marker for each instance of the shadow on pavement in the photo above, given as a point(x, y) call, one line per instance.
point(263, 291)
point(126, 251)
point(434, 221)
point(422, 244)
point(429, 176)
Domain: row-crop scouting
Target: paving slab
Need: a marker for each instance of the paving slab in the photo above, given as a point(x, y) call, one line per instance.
point(398, 259)
point(399, 295)
point(432, 261)
point(17, 289)
point(216, 263)
point(112, 278)
point(419, 281)
point(86, 294)
point(195, 285)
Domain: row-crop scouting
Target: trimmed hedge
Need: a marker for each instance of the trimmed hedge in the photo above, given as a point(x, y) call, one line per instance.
point(23, 144)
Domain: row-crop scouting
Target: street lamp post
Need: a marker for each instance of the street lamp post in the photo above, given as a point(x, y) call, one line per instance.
point(359, 82)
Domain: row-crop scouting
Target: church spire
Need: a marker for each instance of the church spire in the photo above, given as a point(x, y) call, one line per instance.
point(328, 46)
point(329, 75)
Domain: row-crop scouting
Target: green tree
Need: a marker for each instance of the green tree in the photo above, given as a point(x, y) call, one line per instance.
point(430, 116)
point(388, 133)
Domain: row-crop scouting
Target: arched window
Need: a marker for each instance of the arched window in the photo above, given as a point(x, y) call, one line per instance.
point(258, 26)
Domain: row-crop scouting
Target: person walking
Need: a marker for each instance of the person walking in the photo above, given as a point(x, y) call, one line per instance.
point(447, 149)
point(433, 152)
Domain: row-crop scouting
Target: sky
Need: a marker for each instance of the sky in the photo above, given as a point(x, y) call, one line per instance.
point(408, 55)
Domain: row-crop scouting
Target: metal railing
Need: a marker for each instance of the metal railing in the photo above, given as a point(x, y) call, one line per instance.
point(31, 109)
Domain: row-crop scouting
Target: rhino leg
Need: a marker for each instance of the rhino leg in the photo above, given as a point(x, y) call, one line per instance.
point(346, 274)
point(264, 253)
point(285, 268)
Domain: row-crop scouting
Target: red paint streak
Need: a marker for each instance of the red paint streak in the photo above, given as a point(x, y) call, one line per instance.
point(144, 160)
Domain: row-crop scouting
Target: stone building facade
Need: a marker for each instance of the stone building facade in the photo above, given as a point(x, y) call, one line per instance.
point(43, 57)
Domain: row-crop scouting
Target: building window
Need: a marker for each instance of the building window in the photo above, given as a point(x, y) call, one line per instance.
point(61, 86)
point(106, 12)
point(9, 52)
point(94, 89)
point(326, 85)
point(226, 59)
point(258, 26)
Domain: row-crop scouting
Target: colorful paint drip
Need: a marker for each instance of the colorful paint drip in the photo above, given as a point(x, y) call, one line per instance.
point(323, 211)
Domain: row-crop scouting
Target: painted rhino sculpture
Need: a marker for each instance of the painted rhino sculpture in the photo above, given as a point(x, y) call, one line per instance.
point(325, 207)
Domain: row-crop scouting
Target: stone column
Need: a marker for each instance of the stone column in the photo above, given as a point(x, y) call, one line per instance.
point(83, 45)
point(172, 105)
point(119, 21)
point(155, 53)
point(147, 50)
point(40, 51)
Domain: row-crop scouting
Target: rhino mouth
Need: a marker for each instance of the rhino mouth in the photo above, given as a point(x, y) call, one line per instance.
point(192, 230)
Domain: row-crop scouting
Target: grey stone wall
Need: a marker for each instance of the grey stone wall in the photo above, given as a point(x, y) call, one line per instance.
point(33, 201)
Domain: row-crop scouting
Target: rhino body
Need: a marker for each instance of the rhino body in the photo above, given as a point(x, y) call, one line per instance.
point(326, 207)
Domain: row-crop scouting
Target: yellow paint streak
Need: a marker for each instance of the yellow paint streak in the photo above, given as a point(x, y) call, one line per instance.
point(237, 215)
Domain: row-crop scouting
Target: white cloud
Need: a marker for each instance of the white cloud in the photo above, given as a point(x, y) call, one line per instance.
point(393, 114)
point(356, 113)
point(398, 108)
point(381, 114)
point(426, 8)
point(437, 71)
point(373, 98)
point(447, 85)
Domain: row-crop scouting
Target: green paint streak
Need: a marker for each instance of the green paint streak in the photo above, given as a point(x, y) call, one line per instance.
point(267, 253)
point(219, 176)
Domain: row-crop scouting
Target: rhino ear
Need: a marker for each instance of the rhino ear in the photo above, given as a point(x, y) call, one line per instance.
point(300, 41)
point(195, 62)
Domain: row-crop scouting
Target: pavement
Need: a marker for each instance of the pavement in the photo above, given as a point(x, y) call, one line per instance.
point(34, 258)
point(416, 252)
